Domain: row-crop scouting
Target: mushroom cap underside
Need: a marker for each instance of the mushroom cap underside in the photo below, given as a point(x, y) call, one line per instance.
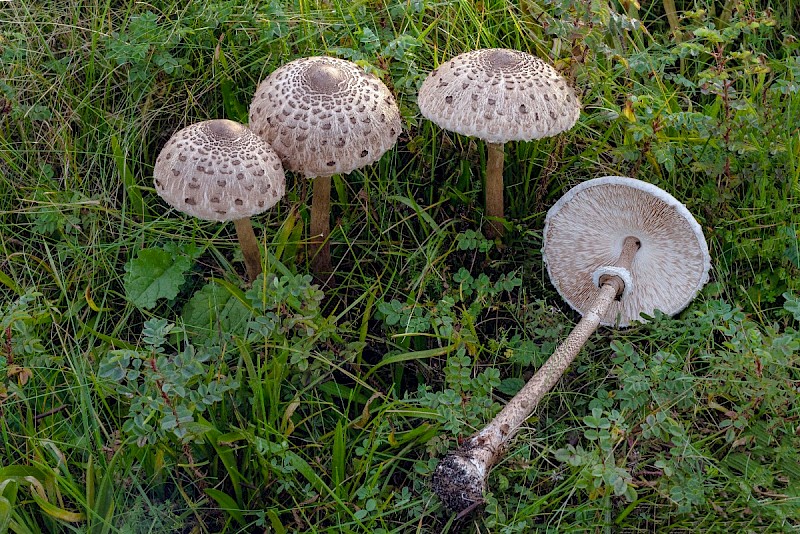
point(499, 95)
point(325, 116)
point(584, 232)
point(218, 170)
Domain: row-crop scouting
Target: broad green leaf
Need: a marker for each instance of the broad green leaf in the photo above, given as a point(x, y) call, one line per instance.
point(510, 386)
point(154, 274)
point(214, 308)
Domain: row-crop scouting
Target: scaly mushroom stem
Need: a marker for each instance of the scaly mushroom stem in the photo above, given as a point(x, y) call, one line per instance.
point(249, 244)
point(460, 478)
point(319, 248)
point(494, 189)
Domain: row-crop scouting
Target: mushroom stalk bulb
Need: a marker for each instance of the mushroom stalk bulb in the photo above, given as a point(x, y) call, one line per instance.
point(324, 116)
point(498, 95)
point(218, 170)
point(615, 247)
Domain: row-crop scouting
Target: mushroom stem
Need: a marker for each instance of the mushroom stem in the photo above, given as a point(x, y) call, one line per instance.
point(249, 244)
point(460, 478)
point(494, 190)
point(319, 247)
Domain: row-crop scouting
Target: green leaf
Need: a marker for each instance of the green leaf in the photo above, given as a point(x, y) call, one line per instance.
point(136, 204)
point(275, 521)
point(338, 459)
point(153, 275)
point(226, 503)
point(214, 308)
point(5, 514)
point(59, 513)
point(102, 500)
point(408, 356)
point(511, 386)
point(792, 305)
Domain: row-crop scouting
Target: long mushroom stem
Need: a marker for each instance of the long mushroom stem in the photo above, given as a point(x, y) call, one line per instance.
point(494, 190)
point(460, 478)
point(249, 244)
point(320, 248)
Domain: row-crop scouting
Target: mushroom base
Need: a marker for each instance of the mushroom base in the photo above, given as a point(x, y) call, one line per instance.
point(460, 478)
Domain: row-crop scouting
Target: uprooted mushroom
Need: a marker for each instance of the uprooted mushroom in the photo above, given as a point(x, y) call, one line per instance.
point(615, 248)
point(324, 116)
point(218, 170)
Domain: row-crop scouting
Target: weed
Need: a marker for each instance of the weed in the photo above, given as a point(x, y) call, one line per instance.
point(142, 387)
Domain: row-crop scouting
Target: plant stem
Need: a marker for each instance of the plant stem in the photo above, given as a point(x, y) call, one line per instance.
point(460, 478)
point(319, 247)
point(249, 244)
point(727, 12)
point(672, 18)
point(494, 190)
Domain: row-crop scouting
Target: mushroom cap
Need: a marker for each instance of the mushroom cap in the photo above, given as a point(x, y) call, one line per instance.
point(585, 229)
point(325, 116)
point(499, 95)
point(219, 170)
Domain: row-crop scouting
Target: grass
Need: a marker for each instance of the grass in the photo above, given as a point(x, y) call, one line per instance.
point(329, 416)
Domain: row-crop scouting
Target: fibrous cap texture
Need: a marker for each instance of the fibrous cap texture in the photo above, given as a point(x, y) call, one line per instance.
point(585, 230)
point(499, 95)
point(325, 116)
point(219, 170)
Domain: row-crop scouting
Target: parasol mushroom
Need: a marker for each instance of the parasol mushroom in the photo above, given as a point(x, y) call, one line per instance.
point(324, 116)
point(498, 95)
point(615, 247)
point(218, 170)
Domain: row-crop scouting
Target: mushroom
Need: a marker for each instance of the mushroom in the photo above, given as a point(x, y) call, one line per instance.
point(615, 247)
point(324, 116)
point(219, 170)
point(498, 95)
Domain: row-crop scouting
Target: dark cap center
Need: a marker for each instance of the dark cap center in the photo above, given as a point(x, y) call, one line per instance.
point(324, 78)
point(499, 60)
point(225, 129)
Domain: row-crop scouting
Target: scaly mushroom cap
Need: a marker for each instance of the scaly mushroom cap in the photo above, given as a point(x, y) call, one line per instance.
point(584, 232)
point(499, 95)
point(325, 116)
point(218, 170)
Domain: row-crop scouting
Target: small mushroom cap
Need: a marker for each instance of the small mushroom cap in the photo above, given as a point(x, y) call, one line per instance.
point(219, 170)
point(325, 116)
point(584, 231)
point(499, 95)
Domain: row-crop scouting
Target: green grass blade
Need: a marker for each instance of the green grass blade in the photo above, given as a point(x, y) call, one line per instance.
point(136, 204)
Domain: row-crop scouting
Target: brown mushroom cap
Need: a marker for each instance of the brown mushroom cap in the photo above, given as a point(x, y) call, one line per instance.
point(219, 170)
point(583, 236)
point(499, 95)
point(325, 116)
